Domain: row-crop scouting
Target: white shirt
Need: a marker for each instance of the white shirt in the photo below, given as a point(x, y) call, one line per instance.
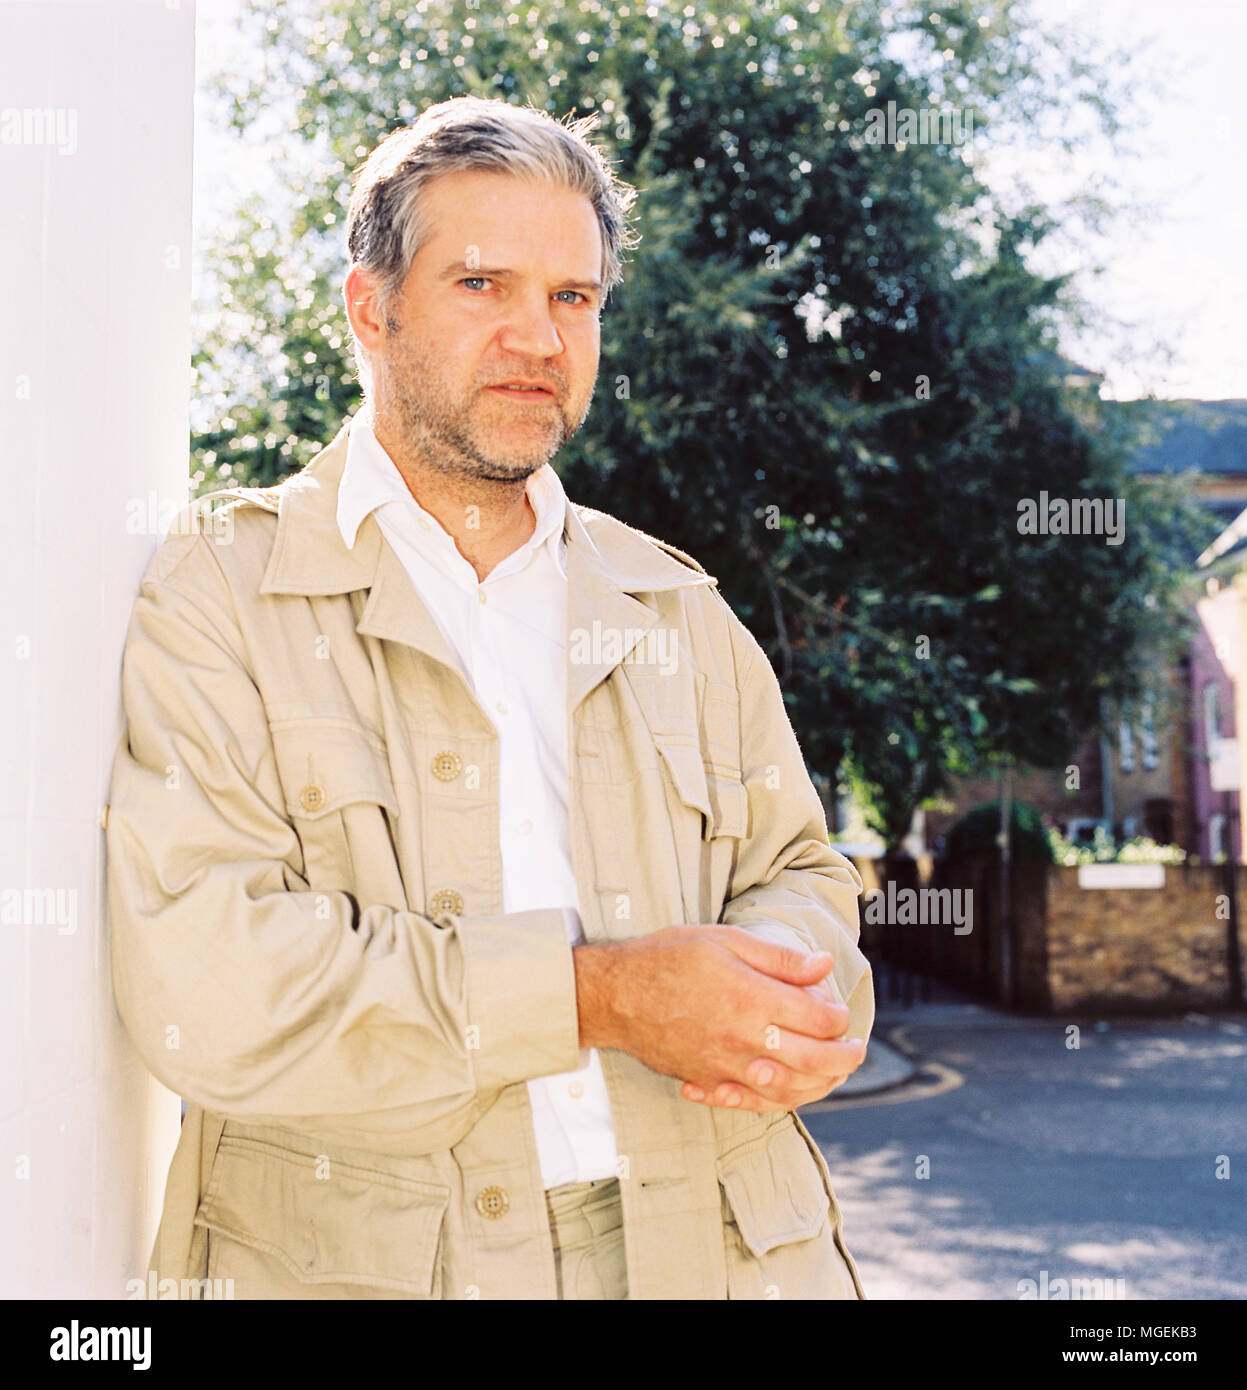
point(509, 633)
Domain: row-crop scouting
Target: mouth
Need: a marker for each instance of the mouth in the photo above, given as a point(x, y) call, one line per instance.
point(523, 393)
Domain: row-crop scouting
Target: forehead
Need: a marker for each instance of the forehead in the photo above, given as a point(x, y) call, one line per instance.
point(507, 216)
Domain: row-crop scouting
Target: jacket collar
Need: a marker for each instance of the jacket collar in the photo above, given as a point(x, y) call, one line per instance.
point(608, 563)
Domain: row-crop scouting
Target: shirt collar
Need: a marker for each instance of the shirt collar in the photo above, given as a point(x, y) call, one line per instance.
point(370, 479)
point(607, 561)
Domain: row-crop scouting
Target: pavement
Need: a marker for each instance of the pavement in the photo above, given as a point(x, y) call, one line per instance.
point(983, 1155)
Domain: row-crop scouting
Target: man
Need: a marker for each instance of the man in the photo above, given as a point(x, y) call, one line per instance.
point(464, 872)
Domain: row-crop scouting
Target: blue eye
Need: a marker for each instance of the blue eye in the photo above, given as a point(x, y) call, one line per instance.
point(481, 278)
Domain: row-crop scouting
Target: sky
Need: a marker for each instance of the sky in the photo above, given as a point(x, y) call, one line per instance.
point(1180, 273)
point(1167, 307)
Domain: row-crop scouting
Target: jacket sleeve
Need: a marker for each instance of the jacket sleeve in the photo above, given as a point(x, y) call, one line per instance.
point(789, 886)
point(246, 992)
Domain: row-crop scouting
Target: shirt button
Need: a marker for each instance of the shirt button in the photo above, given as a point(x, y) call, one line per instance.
point(425, 524)
point(525, 827)
point(312, 797)
point(480, 595)
point(447, 766)
point(492, 1202)
point(502, 707)
point(445, 900)
point(576, 1089)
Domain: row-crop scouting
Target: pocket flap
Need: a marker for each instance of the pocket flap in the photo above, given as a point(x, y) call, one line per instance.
point(327, 1221)
point(775, 1190)
point(324, 766)
point(723, 800)
point(688, 772)
point(729, 799)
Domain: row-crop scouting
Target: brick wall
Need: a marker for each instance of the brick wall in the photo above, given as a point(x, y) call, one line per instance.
point(1140, 948)
point(1125, 950)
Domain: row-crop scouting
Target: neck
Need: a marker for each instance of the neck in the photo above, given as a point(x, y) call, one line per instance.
point(487, 518)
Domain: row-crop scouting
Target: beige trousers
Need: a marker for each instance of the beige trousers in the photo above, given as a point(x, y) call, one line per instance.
point(586, 1222)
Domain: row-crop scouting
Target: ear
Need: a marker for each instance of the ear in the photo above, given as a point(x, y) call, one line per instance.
point(359, 290)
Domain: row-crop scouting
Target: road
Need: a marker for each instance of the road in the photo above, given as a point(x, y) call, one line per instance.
point(1098, 1162)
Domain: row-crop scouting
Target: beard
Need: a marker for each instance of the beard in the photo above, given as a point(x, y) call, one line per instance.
point(451, 432)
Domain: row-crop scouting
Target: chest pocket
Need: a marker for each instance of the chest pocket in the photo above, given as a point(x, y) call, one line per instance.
point(339, 794)
point(717, 794)
point(695, 726)
point(707, 801)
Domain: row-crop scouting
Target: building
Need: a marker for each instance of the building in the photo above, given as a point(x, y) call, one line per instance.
point(1154, 775)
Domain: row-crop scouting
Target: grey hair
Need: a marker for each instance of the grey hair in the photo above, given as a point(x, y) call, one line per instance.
point(385, 224)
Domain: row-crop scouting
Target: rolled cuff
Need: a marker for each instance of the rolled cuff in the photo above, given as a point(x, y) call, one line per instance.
point(521, 996)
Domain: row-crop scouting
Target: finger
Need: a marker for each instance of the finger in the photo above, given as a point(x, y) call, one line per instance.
point(798, 1062)
point(789, 963)
point(733, 1096)
point(779, 1086)
point(730, 1095)
point(796, 1009)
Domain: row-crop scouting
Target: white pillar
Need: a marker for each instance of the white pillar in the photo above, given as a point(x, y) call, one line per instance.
point(96, 127)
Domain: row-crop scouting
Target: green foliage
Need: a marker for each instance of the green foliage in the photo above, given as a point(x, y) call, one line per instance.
point(1103, 850)
point(975, 834)
point(829, 373)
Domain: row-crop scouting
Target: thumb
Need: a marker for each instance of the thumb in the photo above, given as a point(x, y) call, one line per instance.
point(790, 963)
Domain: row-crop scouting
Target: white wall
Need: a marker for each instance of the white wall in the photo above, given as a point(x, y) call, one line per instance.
point(95, 225)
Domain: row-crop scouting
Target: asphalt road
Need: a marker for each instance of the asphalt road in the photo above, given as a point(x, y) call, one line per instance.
point(1092, 1163)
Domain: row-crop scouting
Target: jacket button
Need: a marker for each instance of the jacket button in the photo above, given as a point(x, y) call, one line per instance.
point(312, 797)
point(447, 766)
point(492, 1202)
point(446, 900)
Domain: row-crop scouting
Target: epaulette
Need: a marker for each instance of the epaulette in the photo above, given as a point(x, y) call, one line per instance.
point(266, 497)
point(672, 550)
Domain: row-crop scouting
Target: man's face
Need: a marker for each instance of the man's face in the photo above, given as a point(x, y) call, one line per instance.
point(503, 291)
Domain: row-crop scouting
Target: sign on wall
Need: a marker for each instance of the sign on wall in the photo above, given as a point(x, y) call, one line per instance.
point(1121, 876)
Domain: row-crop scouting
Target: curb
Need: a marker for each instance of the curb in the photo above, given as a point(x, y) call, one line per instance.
point(884, 1069)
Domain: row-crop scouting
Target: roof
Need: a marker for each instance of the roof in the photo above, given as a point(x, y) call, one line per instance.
point(1208, 437)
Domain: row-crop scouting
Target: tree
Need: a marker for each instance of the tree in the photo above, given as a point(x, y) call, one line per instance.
point(828, 374)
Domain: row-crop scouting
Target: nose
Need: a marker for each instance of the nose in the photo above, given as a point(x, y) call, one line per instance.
point(529, 329)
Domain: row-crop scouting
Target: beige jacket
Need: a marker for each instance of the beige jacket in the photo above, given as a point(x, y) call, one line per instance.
point(304, 887)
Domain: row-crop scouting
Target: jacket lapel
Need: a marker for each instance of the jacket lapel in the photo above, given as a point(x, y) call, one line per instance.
point(608, 565)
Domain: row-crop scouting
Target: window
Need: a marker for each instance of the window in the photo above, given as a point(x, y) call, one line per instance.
point(1149, 745)
point(1125, 745)
point(1216, 836)
point(1212, 716)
